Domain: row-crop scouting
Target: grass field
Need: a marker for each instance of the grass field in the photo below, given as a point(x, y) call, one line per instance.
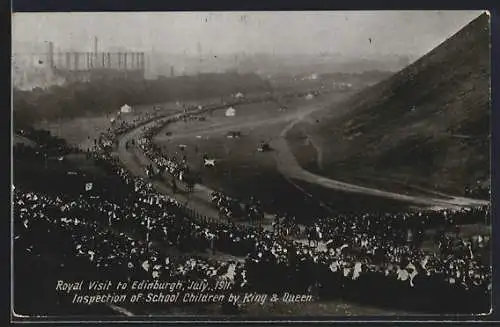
point(83, 130)
point(242, 171)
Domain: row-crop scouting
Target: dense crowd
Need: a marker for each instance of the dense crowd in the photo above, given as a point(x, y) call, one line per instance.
point(390, 241)
point(478, 190)
point(234, 208)
point(85, 226)
point(126, 240)
point(128, 237)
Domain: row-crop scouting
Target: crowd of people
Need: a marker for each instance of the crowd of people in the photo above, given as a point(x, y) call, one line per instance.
point(162, 165)
point(230, 207)
point(478, 190)
point(353, 255)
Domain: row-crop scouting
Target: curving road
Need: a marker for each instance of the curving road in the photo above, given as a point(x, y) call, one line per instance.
point(287, 164)
point(135, 161)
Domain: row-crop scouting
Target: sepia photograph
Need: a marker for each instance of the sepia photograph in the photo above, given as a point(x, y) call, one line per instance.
point(250, 165)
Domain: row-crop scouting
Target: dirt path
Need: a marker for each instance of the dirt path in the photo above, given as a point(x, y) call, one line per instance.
point(198, 200)
point(21, 139)
point(287, 164)
point(229, 126)
point(135, 161)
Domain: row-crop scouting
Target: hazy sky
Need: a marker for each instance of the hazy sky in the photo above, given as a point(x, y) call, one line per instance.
point(398, 32)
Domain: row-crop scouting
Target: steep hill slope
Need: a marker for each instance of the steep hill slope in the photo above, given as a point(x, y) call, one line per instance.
point(428, 125)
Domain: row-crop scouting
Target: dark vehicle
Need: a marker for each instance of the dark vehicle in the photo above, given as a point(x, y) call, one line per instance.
point(264, 147)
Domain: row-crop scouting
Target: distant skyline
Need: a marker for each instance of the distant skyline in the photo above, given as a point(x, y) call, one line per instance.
point(354, 33)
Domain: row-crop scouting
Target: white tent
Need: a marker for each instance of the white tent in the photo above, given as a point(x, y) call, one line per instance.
point(239, 95)
point(309, 96)
point(230, 112)
point(126, 108)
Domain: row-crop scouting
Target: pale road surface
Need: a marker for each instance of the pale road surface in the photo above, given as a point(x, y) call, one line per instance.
point(288, 166)
point(135, 161)
point(21, 139)
point(199, 199)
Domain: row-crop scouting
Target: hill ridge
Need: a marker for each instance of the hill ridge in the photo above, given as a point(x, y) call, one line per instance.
point(428, 124)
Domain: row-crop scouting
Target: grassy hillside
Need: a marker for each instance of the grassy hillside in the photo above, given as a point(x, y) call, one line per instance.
point(428, 125)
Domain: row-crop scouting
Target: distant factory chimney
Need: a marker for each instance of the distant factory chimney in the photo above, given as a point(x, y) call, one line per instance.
point(87, 60)
point(50, 55)
point(68, 62)
point(75, 57)
point(95, 50)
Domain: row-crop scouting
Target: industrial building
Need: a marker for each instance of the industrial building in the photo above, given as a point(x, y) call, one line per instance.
point(45, 66)
point(87, 65)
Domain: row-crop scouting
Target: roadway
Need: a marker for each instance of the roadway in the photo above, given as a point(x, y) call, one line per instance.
point(199, 199)
point(288, 165)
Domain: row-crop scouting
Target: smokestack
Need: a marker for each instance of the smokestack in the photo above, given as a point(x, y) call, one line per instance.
point(75, 54)
point(95, 52)
point(68, 60)
point(50, 55)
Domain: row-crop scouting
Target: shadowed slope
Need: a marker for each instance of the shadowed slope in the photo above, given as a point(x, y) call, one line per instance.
point(427, 125)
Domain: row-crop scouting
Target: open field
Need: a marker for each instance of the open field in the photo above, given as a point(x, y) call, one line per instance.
point(82, 131)
point(240, 169)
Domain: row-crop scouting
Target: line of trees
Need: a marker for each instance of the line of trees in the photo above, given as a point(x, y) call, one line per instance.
point(106, 95)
